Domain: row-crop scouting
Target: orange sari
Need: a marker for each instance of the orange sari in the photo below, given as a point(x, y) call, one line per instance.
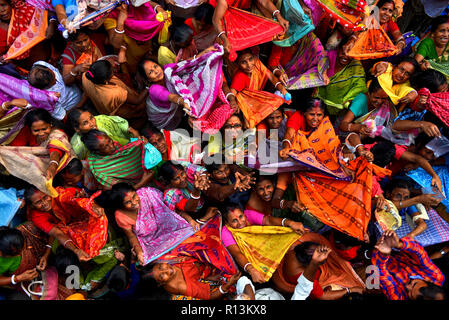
point(256, 104)
point(342, 205)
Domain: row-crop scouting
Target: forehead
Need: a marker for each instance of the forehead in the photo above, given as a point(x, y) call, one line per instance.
point(406, 66)
point(39, 124)
point(400, 190)
point(276, 113)
point(314, 109)
point(264, 183)
point(129, 195)
point(233, 119)
point(37, 195)
point(245, 56)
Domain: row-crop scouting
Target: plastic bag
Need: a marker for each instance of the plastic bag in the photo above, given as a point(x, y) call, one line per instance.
point(164, 34)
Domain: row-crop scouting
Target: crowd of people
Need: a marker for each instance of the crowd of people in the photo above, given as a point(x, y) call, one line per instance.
point(224, 149)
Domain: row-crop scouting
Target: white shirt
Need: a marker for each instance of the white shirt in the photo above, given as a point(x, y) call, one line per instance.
point(302, 289)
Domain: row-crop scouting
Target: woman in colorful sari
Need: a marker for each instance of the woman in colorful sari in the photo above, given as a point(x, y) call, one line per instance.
point(78, 223)
point(369, 113)
point(107, 158)
point(346, 81)
point(174, 145)
point(335, 277)
point(22, 28)
point(432, 52)
point(305, 63)
point(111, 96)
point(204, 34)
point(185, 183)
point(82, 121)
point(46, 151)
point(132, 30)
point(253, 261)
point(328, 194)
point(394, 79)
point(248, 85)
point(78, 56)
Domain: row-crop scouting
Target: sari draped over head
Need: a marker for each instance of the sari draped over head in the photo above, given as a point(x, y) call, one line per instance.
point(125, 165)
point(199, 81)
point(31, 163)
point(27, 28)
point(158, 229)
point(205, 246)
point(12, 88)
point(78, 220)
point(340, 204)
point(254, 103)
point(335, 273)
point(299, 23)
point(306, 68)
point(394, 91)
point(343, 86)
point(264, 246)
point(373, 43)
point(245, 29)
point(141, 24)
point(437, 103)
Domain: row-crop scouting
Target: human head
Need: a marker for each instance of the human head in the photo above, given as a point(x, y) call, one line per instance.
point(80, 40)
point(38, 200)
point(40, 123)
point(98, 142)
point(274, 120)
point(233, 127)
point(100, 72)
point(246, 60)
point(383, 153)
point(203, 15)
point(233, 216)
point(418, 289)
point(150, 70)
point(163, 272)
point(343, 59)
point(182, 35)
point(81, 120)
point(156, 138)
point(72, 173)
point(264, 187)
point(173, 174)
point(219, 171)
point(5, 10)
point(11, 242)
point(404, 69)
point(420, 143)
point(377, 96)
point(304, 252)
point(41, 77)
point(63, 259)
point(121, 196)
point(386, 10)
point(439, 30)
point(314, 112)
point(431, 79)
point(398, 190)
point(345, 245)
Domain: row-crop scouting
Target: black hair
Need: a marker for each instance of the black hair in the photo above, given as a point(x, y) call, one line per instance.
point(437, 22)
point(431, 292)
point(11, 241)
point(382, 2)
point(112, 199)
point(374, 86)
point(430, 79)
point(311, 103)
point(383, 153)
point(409, 60)
point(226, 208)
point(75, 166)
point(167, 171)
point(38, 115)
point(343, 238)
point(204, 12)
point(29, 192)
point(422, 140)
point(90, 139)
point(261, 177)
point(242, 52)
point(150, 130)
point(73, 36)
point(118, 279)
point(181, 33)
point(73, 116)
point(397, 183)
point(100, 71)
point(42, 77)
point(63, 259)
point(141, 70)
point(301, 252)
point(214, 165)
point(239, 116)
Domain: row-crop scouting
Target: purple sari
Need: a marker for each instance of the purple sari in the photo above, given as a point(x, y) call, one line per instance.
point(158, 229)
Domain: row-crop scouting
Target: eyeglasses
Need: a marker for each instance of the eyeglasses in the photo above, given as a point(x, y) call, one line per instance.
point(230, 126)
